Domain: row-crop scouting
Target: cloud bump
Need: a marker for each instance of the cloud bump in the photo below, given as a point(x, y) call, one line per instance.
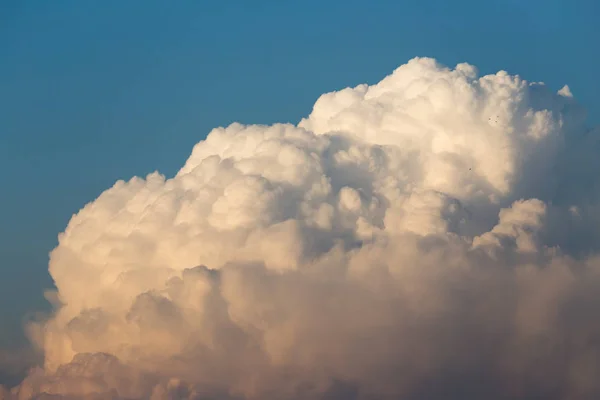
point(432, 236)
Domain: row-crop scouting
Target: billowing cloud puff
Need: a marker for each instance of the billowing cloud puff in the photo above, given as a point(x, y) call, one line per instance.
point(433, 236)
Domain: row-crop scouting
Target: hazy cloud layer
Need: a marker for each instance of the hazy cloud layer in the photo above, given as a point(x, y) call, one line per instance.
point(433, 236)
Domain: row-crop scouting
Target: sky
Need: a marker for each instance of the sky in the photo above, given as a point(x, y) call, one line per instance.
point(95, 92)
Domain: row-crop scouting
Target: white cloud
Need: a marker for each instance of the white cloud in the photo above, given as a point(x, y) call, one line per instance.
point(414, 234)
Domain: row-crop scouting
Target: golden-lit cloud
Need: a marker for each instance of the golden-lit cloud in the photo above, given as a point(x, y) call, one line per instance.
point(432, 236)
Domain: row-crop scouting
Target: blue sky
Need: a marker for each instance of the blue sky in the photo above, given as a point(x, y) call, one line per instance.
point(92, 92)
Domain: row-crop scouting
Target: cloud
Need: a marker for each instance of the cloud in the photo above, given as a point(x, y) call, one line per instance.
point(432, 236)
point(15, 362)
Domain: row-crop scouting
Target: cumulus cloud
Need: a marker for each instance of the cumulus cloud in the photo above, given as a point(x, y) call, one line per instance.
point(432, 236)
